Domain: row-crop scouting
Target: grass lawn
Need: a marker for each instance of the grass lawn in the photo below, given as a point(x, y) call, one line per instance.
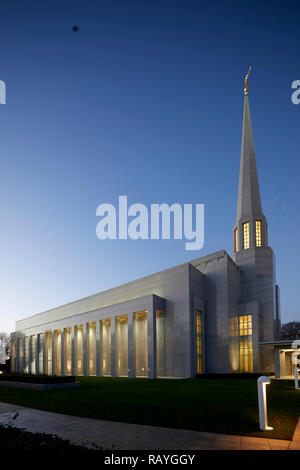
point(214, 405)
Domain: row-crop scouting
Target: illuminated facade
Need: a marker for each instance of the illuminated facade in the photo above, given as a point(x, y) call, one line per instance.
point(206, 316)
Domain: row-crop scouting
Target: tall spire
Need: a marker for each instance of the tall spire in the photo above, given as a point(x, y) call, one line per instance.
point(248, 196)
point(250, 230)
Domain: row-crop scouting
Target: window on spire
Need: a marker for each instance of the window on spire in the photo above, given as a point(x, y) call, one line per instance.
point(258, 233)
point(236, 241)
point(246, 235)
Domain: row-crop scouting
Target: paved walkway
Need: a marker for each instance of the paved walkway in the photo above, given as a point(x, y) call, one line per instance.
point(124, 436)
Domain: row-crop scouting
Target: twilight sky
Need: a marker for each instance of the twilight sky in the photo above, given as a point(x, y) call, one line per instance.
point(145, 100)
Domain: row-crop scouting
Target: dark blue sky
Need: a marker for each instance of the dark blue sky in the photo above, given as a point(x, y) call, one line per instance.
point(144, 100)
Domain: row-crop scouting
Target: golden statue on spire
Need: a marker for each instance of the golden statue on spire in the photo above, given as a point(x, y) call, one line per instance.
point(246, 82)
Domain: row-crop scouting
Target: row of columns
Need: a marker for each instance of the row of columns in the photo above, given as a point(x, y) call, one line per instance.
point(151, 332)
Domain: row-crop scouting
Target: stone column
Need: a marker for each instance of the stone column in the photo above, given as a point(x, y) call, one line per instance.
point(23, 354)
point(113, 346)
point(73, 349)
point(17, 355)
point(62, 349)
point(53, 351)
point(29, 354)
point(45, 371)
point(151, 319)
point(131, 371)
point(98, 350)
point(277, 362)
point(36, 359)
point(85, 369)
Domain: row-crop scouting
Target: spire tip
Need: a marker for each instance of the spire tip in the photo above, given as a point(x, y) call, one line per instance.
point(246, 82)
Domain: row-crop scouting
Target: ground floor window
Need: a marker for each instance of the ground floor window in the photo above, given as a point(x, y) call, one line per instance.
point(49, 353)
point(241, 350)
point(57, 352)
point(246, 355)
point(105, 346)
point(41, 352)
point(67, 351)
point(122, 345)
point(199, 342)
point(79, 350)
point(91, 348)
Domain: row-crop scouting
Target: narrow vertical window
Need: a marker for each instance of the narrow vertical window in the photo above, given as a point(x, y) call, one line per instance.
point(79, 350)
point(122, 345)
point(236, 241)
point(57, 352)
point(258, 233)
point(91, 348)
point(49, 352)
point(105, 346)
point(246, 235)
point(199, 341)
point(67, 351)
point(41, 353)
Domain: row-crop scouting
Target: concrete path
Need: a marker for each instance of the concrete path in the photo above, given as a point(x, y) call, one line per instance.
point(124, 436)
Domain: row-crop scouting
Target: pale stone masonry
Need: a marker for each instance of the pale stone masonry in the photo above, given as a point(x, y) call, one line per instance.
point(214, 314)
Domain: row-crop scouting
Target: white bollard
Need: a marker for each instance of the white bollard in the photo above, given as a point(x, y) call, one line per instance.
point(262, 382)
point(297, 369)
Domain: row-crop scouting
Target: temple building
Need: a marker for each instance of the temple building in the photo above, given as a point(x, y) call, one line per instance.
point(214, 314)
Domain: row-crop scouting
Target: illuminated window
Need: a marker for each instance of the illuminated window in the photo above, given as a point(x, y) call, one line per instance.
point(258, 233)
point(122, 345)
point(79, 349)
point(105, 346)
point(236, 240)
point(246, 235)
point(91, 348)
point(57, 352)
point(67, 351)
point(241, 354)
point(245, 325)
point(234, 326)
point(41, 352)
point(49, 353)
point(246, 355)
point(199, 346)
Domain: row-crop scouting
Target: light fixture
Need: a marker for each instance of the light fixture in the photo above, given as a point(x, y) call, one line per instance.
point(262, 382)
